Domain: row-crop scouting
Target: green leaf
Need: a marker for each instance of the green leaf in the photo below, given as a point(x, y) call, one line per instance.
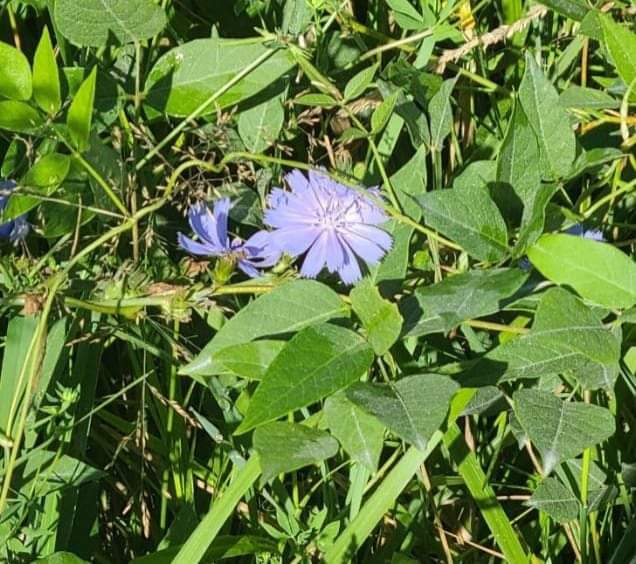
point(260, 125)
point(598, 271)
point(383, 112)
point(621, 44)
point(393, 267)
point(283, 447)
point(410, 183)
point(575, 9)
point(247, 360)
point(315, 99)
point(469, 217)
point(413, 407)
point(566, 336)
point(549, 121)
point(359, 82)
point(575, 96)
point(317, 362)
point(19, 117)
point(15, 73)
point(440, 113)
point(80, 112)
point(533, 218)
point(561, 429)
point(472, 294)
point(380, 318)
point(360, 434)
point(297, 16)
point(187, 75)
point(518, 164)
point(553, 498)
point(46, 80)
point(406, 15)
point(286, 309)
point(43, 178)
point(93, 22)
point(19, 333)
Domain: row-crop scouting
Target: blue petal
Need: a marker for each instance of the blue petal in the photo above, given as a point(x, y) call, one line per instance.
point(296, 181)
point(294, 241)
point(195, 248)
point(335, 252)
point(350, 270)
point(378, 236)
point(20, 229)
point(366, 249)
point(221, 213)
point(205, 225)
point(316, 257)
point(259, 247)
point(6, 229)
point(248, 268)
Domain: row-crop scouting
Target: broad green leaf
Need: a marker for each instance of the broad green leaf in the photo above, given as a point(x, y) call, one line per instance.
point(469, 217)
point(297, 16)
point(406, 15)
point(260, 125)
point(19, 116)
point(413, 407)
point(94, 22)
point(566, 336)
point(561, 429)
point(575, 96)
point(380, 318)
point(575, 9)
point(440, 114)
point(288, 308)
point(283, 447)
point(518, 164)
point(360, 434)
point(533, 218)
point(247, 360)
point(80, 112)
point(315, 363)
point(43, 178)
point(315, 99)
point(383, 112)
point(15, 73)
point(549, 121)
point(621, 44)
point(359, 82)
point(553, 498)
point(598, 271)
point(187, 75)
point(416, 123)
point(393, 267)
point(19, 333)
point(409, 183)
point(46, 79)
point(443, 306)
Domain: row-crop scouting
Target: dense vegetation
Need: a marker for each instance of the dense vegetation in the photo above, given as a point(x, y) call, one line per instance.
point(305, 280)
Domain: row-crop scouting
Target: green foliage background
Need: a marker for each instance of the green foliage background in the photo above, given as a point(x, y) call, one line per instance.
point(472, 399)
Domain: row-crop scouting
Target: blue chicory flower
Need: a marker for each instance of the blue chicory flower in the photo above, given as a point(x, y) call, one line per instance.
point(578, 229)
point(18, 228)
point(334, 224)
point(211, 229)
